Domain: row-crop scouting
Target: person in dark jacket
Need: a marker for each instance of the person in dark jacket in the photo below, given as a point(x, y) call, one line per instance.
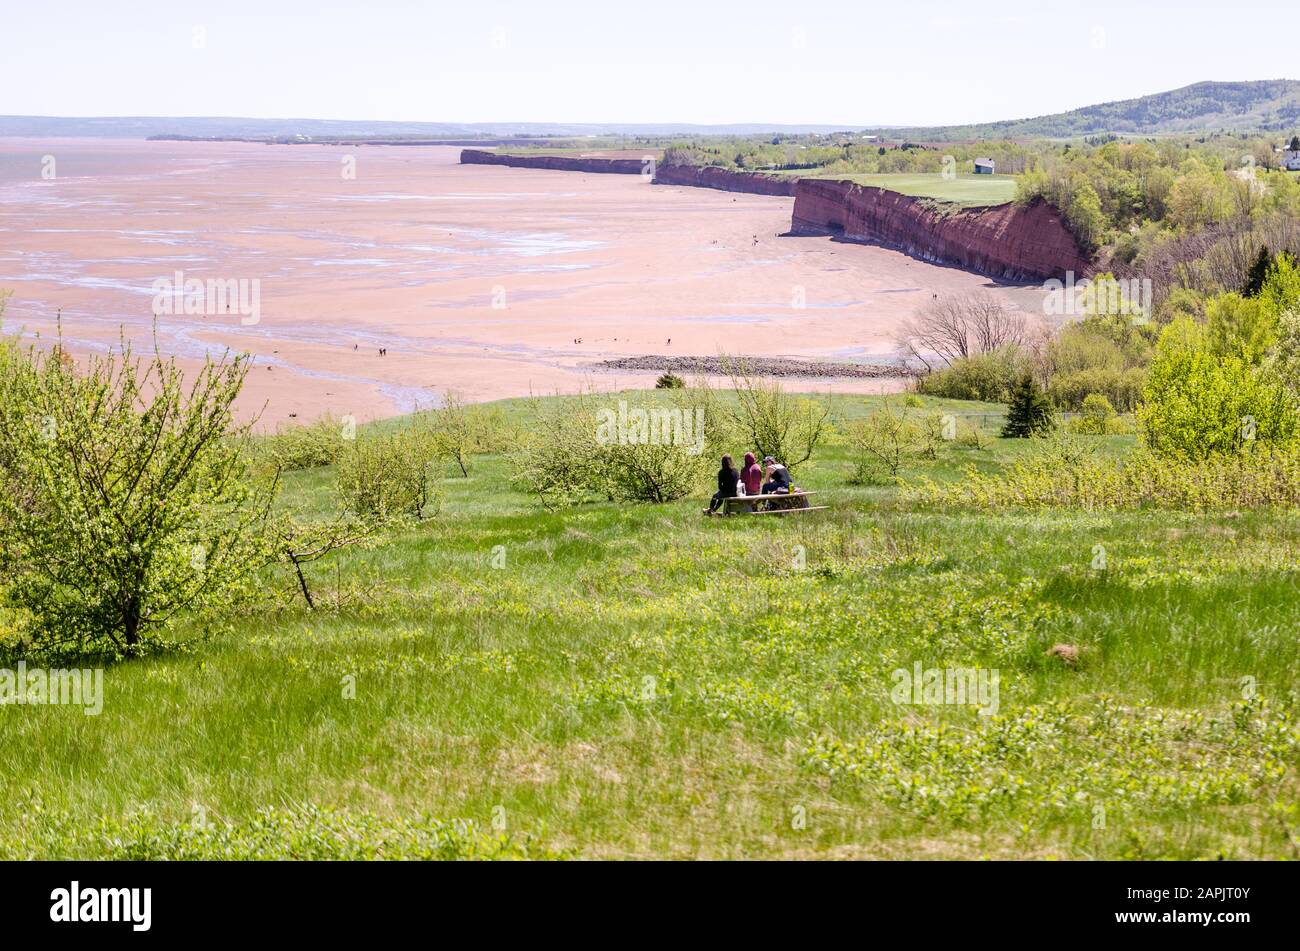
point(727, 479)
point(752, 475)
point(778, 477)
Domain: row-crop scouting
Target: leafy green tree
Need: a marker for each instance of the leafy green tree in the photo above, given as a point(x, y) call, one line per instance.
point(126, 494)
point(1182, 302)
point(453, 431)
point(1098, 415)
point(385, 475)
point(1122, 388)
point(1086, 217)
point(676, 456)
point(1105, 355)
point(654, 472)
point(1104, 298)
point(886, 439)
point(1030, 412)
point(1198, 403)
point(296, 446)
point(1281, 290)
point(1200, 197)
point(299, 543)
point(1284, 359)
point(1239, 327)
point(581, 447)
point(558, 457)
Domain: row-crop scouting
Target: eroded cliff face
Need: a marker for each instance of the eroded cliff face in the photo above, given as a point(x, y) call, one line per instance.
point(754, 183)
point(561, 163)
point(1012, 242)
point(820, 206)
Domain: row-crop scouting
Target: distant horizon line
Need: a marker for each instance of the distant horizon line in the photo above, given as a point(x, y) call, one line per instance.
point(477, 122)
point(617, 126)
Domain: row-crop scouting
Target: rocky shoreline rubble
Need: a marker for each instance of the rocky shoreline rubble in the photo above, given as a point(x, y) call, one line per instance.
point(760, 366)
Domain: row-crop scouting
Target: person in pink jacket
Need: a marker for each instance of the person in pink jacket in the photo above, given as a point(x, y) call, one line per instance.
point(752, 475)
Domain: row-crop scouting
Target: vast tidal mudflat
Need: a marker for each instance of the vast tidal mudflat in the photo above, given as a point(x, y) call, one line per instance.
point(493, 282)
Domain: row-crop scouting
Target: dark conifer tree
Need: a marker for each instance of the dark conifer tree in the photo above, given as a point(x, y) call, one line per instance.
point(1258, 273)
point(1030, 412)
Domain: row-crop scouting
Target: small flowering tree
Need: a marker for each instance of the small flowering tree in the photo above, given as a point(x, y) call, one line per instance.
point(775, 423)
point(125, 493)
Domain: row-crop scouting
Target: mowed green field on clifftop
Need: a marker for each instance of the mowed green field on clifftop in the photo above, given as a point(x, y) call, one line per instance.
point(969, 190)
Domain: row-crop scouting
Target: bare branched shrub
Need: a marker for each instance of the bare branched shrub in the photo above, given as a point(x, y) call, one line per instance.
point(993, 324)
point(460, 430)
point(774, 422)
point(1216, 259)
point(951, 328)
point(301, 543)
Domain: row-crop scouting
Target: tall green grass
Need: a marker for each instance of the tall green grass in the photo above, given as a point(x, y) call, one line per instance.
point(638, 681)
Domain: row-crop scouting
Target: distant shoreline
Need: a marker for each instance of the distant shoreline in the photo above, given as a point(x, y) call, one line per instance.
point(373, 140)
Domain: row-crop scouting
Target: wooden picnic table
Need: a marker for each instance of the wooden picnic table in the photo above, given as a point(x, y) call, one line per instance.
point(748, 504)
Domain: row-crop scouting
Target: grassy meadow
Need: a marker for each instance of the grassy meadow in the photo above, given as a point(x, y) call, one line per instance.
point(638, 681)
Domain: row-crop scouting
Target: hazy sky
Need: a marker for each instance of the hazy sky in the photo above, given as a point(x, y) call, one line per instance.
point(860, 63)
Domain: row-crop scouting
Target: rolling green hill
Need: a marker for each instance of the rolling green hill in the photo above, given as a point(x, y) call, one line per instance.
point(1266, 105)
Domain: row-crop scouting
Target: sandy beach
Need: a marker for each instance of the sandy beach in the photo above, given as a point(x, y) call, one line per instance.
point(493, 282)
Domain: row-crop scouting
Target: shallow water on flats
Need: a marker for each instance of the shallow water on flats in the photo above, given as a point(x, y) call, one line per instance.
point(490, 281)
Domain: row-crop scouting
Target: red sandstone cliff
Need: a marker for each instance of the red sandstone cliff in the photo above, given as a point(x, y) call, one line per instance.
point(703, 177)
point(1014, 242)
point(754, 183)
point(562, 163)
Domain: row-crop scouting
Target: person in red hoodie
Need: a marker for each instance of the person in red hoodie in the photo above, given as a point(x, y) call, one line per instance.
point(752, 475)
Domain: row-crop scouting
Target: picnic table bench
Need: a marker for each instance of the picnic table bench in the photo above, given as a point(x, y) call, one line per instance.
point(783, 503)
